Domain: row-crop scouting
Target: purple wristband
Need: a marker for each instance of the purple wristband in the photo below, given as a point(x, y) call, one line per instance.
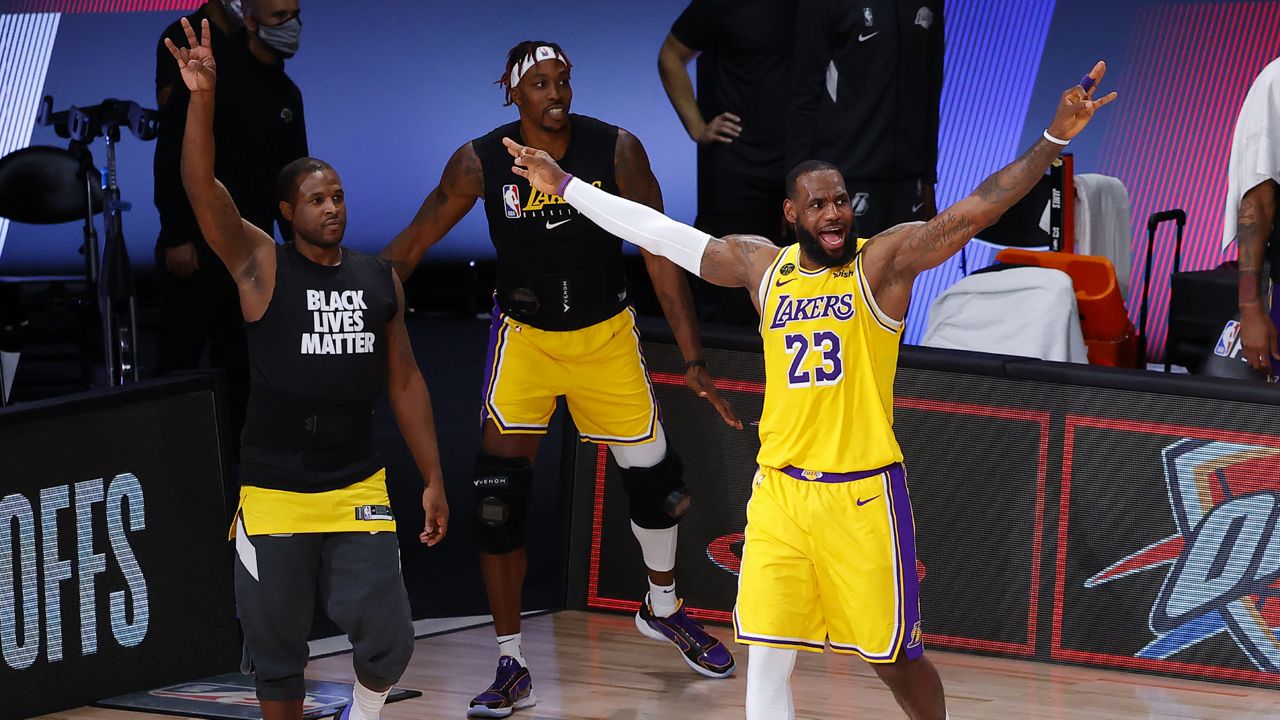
point(563, 184)
point(1086, 82)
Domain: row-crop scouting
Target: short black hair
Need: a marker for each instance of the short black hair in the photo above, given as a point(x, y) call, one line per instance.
point(804, 168)
point(517, 55)
point(290, 178)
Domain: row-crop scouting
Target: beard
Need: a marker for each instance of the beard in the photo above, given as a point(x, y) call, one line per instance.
point(814, 250)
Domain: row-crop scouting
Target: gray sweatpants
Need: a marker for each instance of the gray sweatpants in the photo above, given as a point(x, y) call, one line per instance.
point(358, 577)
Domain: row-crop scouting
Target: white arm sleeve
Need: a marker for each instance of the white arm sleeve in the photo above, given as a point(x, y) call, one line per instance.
point(639, 225)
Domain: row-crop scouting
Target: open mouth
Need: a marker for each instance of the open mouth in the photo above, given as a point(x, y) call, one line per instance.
point(832, 238)
point(557, 112)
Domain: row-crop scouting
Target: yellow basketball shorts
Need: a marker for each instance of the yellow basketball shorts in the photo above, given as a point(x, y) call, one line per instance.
point(598, 369)
point(829, 558)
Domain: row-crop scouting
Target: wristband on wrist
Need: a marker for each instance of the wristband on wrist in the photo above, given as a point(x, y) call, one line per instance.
point(1054, 140)
point(563, 184)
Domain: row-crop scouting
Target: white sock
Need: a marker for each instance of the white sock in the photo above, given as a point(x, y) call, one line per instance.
point(365, 703)
point(769, 683)
point(663, 599)
point(510, 645)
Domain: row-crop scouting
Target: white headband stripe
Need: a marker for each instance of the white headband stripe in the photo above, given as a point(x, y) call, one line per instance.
point(540, 53)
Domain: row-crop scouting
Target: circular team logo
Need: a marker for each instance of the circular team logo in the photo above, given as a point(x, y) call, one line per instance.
point(787, 269)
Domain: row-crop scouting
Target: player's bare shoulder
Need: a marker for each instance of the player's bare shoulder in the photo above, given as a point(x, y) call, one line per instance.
point(463, 174)
point(738, 260)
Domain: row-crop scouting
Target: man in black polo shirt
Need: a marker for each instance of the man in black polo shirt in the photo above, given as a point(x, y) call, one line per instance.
point(867, 85)
point(743, 92)
point(259, 129)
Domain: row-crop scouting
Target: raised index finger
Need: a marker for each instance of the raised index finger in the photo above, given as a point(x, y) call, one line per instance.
point(1095, 77)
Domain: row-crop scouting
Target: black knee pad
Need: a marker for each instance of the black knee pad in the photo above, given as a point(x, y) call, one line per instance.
point(658, 496)
point(502, 502)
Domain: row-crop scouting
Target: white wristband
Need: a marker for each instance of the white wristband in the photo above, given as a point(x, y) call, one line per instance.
point(1054, 140)
point(639, 224)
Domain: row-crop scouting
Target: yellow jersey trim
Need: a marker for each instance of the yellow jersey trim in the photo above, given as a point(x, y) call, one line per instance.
point(281, 512)
point(882, 318)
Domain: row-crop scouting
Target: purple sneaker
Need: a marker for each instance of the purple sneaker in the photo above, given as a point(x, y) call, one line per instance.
point(512, 690)
point(346, 712)
point(705, 654)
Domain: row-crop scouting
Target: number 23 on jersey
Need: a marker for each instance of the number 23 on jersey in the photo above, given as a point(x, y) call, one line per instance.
point(816, 358)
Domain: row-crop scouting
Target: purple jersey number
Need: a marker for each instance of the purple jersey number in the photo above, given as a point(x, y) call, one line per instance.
point(828, 372)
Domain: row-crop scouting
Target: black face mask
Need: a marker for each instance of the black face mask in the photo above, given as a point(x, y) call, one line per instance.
point(814, 251)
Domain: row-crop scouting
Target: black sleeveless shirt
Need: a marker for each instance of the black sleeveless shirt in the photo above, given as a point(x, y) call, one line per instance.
point(318, 360)
point(557, 270)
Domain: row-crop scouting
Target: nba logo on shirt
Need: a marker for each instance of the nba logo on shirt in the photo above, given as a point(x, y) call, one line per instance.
point(511, 200)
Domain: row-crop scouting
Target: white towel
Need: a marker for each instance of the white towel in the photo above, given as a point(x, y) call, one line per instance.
point(1102, 223)
point(1021, 311)
point(1255, 147)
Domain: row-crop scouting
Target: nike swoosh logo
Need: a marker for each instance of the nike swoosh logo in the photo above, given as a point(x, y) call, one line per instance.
point(916, 208)
point(864, 38)
point(780, 283)
point(862, 502)
point(668, 592)
point(554, 225)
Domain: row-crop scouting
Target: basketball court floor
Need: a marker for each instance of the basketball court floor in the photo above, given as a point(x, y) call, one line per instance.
point(589, 666)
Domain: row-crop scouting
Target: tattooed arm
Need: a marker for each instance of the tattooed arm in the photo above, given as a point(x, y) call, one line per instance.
point(461, 184)
point(1253, 227)
point(636, 182)
point(893, 259)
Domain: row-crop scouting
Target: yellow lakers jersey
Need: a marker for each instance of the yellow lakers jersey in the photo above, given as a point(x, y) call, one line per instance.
point(830, 356)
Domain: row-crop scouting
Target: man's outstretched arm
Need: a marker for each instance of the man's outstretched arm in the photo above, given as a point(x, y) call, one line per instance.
point(893, 259)
point(731, 261)
point(235, 241)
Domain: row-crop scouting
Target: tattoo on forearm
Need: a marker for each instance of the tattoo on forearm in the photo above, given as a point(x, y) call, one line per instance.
point(1253, 228)
point(948, 232)
point(936, 235)
point(1012, 182)
point(1250, 244)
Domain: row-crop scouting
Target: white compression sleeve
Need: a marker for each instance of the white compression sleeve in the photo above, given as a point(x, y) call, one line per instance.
point(769, 683)
point(639, 225)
